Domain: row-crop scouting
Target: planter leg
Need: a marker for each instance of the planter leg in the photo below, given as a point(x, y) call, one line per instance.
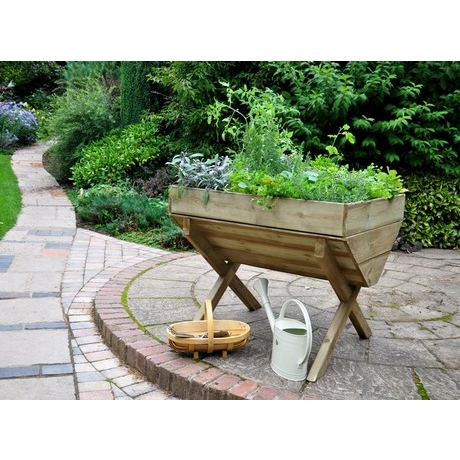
point(359, 322)
point(323, 357)
point(348, 309)
point(329, 265)
point(218, 289)
point(226, 271)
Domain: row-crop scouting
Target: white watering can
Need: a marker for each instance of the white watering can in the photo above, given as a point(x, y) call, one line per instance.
point(292, 339)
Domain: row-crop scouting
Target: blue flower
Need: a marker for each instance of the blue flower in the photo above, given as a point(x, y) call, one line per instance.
point(18, 125)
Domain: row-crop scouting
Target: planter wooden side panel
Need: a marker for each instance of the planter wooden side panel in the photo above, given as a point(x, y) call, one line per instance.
point(289, 251)
point(368, 215)
point(325, 218)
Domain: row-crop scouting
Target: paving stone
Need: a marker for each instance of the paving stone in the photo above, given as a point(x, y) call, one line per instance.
point(41, 388)
point(354, 380)
point(23, 348)
point(26, 310)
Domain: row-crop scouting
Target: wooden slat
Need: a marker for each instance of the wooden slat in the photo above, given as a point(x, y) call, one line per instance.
point(372, 243)
point(367, 215)
point(293, 266)
point(321, 217)
point(324, 355)
point(292, 252)
point(252, 245)
point(291, 214)
point(373, 268)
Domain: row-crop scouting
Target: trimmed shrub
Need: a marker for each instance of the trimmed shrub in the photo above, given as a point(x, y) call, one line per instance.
point(117, 209)
point(116, 157)
point(125, 213)
point(432, 211)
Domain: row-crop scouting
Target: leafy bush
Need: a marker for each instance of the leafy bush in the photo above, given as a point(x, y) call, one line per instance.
point(18, 124)
point(80, 116)
point(123, 212)
point(117, 156)
point(432, 211)
point(403, 114)
point(30, 81)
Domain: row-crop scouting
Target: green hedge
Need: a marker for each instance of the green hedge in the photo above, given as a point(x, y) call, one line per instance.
point(432, 211)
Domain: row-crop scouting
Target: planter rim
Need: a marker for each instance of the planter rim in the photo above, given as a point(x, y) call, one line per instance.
point(276, 199)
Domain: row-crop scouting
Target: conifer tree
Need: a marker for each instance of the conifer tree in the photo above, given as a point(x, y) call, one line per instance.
point(134, 90)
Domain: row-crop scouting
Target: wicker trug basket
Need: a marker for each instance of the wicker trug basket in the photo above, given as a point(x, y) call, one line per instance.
point(208, 335)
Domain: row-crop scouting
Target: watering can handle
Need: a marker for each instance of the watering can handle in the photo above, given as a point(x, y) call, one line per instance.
point(307, 324)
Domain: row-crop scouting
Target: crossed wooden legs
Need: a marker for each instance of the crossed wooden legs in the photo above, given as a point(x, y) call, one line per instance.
point(225, 270)
point(348, 308)
point(347, 294)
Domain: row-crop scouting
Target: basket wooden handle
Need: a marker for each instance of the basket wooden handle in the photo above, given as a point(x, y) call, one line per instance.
point(210, 323)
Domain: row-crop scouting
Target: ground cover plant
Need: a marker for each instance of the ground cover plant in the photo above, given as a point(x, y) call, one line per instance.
point(10, 195)
point(125, 213)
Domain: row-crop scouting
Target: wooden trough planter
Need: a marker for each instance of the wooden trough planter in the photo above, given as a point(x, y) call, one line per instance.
point(345, 243)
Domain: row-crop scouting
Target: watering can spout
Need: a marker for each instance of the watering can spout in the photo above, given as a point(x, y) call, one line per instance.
point(261, 286)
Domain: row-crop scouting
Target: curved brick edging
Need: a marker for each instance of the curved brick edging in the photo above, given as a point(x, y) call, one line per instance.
point(173, 372)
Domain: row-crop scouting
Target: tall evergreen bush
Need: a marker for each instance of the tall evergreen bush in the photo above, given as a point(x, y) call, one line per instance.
point(134, 91)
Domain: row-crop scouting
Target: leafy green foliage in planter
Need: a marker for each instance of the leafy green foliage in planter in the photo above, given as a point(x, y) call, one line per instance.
point(196, 171)
point(321, 180)
point(432, 211)
point(268, 173)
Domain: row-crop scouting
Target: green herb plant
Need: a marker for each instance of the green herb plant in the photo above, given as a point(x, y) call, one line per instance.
point(283, 175)
point(196, 171)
